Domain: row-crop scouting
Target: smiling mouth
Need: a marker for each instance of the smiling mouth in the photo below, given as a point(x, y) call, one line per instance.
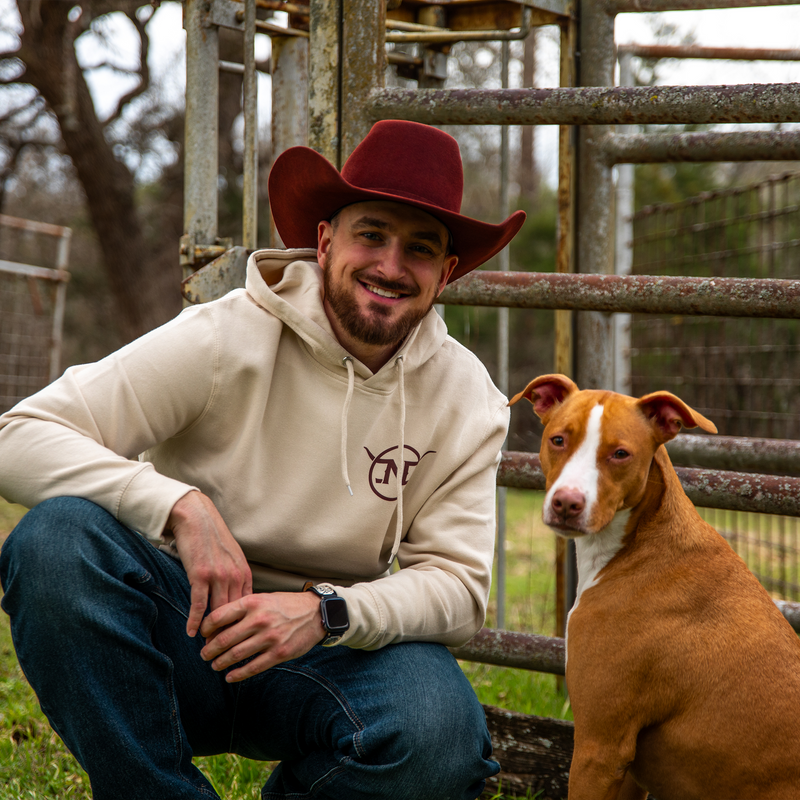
point(380, 291)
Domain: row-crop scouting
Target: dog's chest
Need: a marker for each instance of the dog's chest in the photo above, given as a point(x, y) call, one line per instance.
point(594, 551)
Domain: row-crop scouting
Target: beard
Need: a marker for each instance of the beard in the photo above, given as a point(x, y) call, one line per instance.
point(375, 328)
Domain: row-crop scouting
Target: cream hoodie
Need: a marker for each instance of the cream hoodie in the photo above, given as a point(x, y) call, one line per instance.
point(253, 401)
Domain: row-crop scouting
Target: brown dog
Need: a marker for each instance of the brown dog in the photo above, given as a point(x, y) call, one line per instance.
point(684, 677)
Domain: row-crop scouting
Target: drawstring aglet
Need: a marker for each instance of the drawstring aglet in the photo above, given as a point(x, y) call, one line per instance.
point(349, 490)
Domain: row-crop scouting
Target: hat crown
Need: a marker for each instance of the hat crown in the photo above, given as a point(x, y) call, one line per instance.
point(410, 160)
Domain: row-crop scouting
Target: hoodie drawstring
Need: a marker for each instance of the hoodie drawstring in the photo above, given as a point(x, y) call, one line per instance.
point(348, 362)
point(401, 461)
point(351, 377)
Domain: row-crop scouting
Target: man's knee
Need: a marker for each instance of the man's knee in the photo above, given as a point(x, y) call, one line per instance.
point(436, 739)
point(42, 553)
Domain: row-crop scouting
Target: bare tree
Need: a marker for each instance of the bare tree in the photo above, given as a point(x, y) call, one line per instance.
point(47, 79)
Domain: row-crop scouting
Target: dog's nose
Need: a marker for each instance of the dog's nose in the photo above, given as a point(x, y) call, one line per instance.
point(568, 503)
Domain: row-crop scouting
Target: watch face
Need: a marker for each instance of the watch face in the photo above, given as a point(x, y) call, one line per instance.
point(336, 618)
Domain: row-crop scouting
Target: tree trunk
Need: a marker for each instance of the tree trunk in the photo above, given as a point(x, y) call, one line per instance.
point(145, 294)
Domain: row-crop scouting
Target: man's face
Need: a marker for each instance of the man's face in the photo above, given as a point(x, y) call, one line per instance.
point(384, 264)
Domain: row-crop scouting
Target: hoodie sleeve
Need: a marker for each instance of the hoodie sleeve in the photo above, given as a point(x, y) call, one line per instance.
point(441, 592)
point(81, 435)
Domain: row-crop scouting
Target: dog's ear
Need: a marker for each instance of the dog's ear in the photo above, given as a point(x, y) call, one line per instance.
point(667, 413)
point(546, 392)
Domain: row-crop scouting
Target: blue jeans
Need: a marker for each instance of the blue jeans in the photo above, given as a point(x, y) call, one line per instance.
point(98, 619)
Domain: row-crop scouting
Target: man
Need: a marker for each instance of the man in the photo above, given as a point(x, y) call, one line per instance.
point(302, 433)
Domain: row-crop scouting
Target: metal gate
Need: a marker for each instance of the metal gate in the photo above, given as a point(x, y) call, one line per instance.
point(345, 42)
point(32, 300)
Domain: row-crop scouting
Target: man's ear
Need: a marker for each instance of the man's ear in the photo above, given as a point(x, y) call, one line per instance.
point(667, 413)
point(545, 393)
point(449, 265)
point(324, 239)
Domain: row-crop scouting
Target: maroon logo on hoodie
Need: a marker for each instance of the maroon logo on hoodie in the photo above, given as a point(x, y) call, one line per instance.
point(384, 466)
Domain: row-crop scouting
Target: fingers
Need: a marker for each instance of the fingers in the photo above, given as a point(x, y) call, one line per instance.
point(217, 569)
point(199, 603)
point(267, 628)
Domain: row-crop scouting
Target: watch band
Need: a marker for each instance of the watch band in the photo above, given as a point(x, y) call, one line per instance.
point(333, 610)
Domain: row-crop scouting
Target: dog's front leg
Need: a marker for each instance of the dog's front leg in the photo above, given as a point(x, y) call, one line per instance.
point(600, 773)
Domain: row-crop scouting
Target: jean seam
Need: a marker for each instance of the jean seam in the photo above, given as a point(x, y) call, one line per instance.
point(330, 687)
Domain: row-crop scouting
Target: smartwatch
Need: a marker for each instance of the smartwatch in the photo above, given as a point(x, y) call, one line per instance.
point(333, 609)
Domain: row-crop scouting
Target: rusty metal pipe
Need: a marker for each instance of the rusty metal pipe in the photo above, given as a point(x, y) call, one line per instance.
point(510, 649)
point(773, 456)
point(621, 105)
point(696, 51)
point(726, 297)
point(654, 148)
point(735, 491)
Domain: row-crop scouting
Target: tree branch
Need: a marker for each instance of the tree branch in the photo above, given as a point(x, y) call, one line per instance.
point(144, 70)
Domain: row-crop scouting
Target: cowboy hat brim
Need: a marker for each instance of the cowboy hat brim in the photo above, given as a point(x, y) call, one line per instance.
point(305, 188)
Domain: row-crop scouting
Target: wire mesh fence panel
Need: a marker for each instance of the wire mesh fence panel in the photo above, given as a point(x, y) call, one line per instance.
point(27, 305)
point(742, 373)
point(31, 305)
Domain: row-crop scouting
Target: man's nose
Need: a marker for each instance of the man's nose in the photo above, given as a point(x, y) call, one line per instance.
point(392, 264)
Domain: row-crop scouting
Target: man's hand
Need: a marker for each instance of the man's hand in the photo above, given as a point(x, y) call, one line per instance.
point(216, 567)
point(275, 627)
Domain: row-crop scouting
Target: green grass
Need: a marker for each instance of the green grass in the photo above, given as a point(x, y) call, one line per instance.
point(34, 763)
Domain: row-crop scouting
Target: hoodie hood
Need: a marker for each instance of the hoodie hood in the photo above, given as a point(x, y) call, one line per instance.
point(288, 284)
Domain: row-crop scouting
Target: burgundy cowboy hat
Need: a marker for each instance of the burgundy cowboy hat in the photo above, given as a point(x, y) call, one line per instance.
point(404, 162)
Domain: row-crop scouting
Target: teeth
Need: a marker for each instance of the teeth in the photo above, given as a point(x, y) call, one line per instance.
point(384, 292)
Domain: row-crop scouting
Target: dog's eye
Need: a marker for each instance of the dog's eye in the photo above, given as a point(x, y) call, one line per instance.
point(557, 441)
point(621, 455)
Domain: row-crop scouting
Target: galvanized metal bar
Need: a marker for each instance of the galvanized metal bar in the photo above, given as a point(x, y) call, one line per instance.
point(30, 271)
point(654, 148)
point(46, 228)
point(504, 257)
point(324, 59)
point(510, 649)
point(57, 336)
point(59, 305)
point(290, 85)
point(594, 346)
point(363, 65)
point(596, 105)
point(565, 264)
point(735, 491)
point(623, 245)
point(720, 297)
point(696, 51)
point(647, 6)
point(202, 113)
point(250, 109)
point(740, 454)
